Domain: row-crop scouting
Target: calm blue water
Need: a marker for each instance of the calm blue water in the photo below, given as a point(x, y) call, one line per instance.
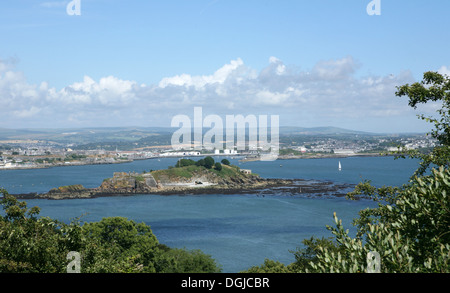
point(239, 231)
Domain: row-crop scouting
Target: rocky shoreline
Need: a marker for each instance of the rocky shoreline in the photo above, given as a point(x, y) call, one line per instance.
point(266, 187)
point(191, 181)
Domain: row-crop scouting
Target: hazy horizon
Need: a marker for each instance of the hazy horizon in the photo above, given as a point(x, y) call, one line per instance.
point(282, 128)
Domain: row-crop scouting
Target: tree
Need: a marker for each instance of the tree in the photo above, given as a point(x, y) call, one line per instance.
point(226, 162)
point(29, 244)
point(306, 256)
point(218, 166)
point(186, 261)
point(434, 87)
point(127, 234)
point(209, 162)
point(269, 266)
point(200, 162)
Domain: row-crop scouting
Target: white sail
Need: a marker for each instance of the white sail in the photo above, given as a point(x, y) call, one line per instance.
point(340, 168)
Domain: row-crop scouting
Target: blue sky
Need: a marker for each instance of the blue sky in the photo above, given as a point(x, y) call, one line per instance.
point(313, 63)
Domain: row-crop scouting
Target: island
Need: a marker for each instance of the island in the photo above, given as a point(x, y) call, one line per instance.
point(204, 176)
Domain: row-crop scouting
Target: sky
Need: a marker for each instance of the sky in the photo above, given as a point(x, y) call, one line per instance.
point(140, 63)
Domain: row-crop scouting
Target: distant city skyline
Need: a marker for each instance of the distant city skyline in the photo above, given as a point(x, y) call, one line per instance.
point(313, 63)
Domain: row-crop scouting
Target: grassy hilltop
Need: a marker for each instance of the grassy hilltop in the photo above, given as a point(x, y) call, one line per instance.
point(187, 169)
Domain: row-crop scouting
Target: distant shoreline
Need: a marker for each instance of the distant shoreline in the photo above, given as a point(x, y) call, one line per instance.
point(244, 160)
point(318, 156)
point(65, 165)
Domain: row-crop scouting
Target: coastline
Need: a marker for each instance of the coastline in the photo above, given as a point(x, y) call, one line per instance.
point(47, 166)
point(280, 157)
point(318, 156)
point(263, 187)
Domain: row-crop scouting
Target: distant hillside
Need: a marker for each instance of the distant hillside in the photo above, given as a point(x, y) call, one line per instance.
point(83, 135)
point(93, 134)
point(288, 130)
point(129, 138)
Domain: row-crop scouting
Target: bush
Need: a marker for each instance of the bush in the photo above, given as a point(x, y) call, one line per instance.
point(200, 163)
point(185, 162)
point(218, 166)
point(226, 162)
point(209, 162)
point(269, 266)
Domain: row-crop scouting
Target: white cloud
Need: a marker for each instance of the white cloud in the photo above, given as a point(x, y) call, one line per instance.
point(27, 112)
point(108, 91)
point(220, 76)
point(270, 98)
point(444, 70)
point(335, 69)
point(280, 67)
point(329, 93)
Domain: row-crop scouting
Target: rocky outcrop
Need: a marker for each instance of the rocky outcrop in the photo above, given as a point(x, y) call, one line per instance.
point(128, 183)
point(202, 181)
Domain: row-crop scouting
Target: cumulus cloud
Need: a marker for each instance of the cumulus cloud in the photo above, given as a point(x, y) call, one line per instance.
point(335, 69)
point(328, 93)
point(109, 91)
point(219, 77)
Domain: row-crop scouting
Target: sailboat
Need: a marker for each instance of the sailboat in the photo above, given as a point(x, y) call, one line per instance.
point(340, 168)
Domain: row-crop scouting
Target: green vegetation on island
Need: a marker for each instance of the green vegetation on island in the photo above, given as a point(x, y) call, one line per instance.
point(206, 167)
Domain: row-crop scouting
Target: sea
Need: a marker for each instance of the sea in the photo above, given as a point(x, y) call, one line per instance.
point(238, 230)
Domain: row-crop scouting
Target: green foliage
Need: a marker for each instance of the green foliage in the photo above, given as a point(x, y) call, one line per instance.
point(306, 256)
point(29, 244)
point(433, 88)
point(185, 162)
point(190, 171)
point(173, 173)
point(269, 266)
point(200, 163)
point(209, 162)
point(226, 162)
point(181, 260)
point(113, 245)
point(126, 234)
point(218, 166)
